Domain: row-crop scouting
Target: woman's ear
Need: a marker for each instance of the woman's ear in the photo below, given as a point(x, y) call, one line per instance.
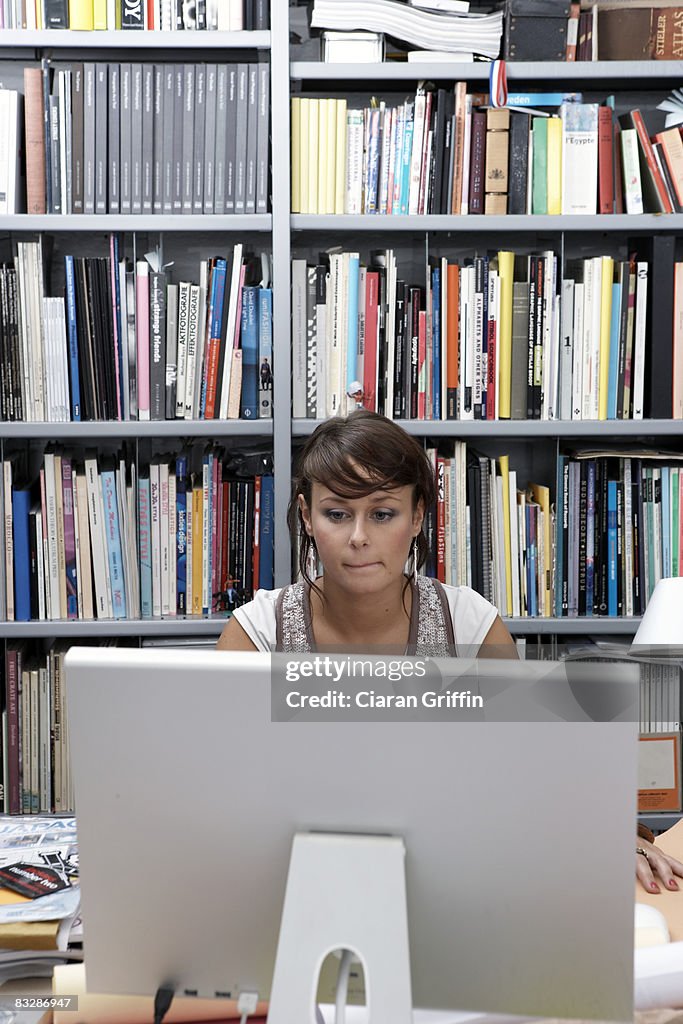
point(418, 515)
point(305, 514)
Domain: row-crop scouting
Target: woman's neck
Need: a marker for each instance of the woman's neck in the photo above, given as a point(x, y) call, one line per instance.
point(361, 619)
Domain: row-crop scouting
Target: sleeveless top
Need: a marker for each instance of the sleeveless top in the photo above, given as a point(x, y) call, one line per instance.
point(431, 627)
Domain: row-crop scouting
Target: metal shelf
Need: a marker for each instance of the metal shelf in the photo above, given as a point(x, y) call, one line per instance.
point(107, 430)
point(242, 223)
point(589, 429)
point(543, 71)
point(66, 39)
point(80, 628)
point(647, 223)
point(583, 625)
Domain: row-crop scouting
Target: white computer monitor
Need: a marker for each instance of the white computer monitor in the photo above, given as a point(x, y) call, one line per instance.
point(519, 836)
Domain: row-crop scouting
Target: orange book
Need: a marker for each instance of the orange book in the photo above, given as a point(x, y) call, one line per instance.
point(659, 772)
point(672, 145)
point(453, 278)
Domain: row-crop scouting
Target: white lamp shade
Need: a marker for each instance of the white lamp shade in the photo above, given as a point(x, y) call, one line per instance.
point(662, 623)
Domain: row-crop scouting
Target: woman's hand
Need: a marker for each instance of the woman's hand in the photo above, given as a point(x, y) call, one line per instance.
point(655, 869)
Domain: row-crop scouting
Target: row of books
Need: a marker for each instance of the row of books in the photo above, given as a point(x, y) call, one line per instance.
point(126, 343)
point(440, 152)
point(36, 766)
point(165, 15)
point(143, 139)
point(499, 336)
point(97, 539)
point(598, 550)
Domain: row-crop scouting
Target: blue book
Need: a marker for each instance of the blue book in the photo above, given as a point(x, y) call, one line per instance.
point(613, 379)
point(265, 576)
point(590, 536)
point(21, 501)
point(352, 322)
point(542, 99)
point(145, 546)
point(531, 560)
point(404, 166)
point(666, 523)
point(612, 547)
point(250, 353)
point(113, 534)
point(436, 344)
point(72, 333)
point(265, 353)
point(181, 534)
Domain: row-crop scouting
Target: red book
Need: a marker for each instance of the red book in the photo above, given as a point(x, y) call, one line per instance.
point(34, 127)
point(635, 119)
point(605, 161)
point(370, 360)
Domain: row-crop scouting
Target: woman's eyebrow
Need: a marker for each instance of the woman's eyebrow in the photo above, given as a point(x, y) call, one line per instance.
point(376, 495)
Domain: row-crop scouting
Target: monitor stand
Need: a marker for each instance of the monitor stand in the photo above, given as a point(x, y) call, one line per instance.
point(344, 892)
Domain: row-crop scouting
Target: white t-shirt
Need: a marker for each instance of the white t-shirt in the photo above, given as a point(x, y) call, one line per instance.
point(471, 613)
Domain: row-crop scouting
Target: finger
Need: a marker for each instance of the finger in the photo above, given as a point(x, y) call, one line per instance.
point(644, 874)
point(660, 866)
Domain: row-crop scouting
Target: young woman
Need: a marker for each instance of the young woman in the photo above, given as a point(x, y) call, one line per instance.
point(359, 504)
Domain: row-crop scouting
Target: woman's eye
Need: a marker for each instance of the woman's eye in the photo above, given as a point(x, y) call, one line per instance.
point(382, 515)
point(335, 515)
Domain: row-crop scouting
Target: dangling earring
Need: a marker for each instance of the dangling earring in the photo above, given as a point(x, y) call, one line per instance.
point(414, 554)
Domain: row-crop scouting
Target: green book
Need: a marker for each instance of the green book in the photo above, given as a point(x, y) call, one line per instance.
point(539, 187)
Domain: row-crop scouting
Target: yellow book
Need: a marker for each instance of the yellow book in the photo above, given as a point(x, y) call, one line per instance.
point(81, 15)
point(331, 105)
point(340, 154)
point(554, 165)
point(100, 14)
point(323, 129)
point(313, 154)
point(605, 332)
point(197, 547)
point(296, 154)
point(504, 462)
point(506, 263)
point(541, 496)
point(303, 154)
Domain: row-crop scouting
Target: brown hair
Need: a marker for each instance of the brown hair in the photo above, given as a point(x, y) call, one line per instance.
point(386, 455)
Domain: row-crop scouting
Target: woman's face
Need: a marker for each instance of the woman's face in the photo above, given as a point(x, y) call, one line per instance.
point(363, 543)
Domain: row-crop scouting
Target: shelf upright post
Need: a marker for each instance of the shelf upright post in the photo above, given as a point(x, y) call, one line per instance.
point(282, 430)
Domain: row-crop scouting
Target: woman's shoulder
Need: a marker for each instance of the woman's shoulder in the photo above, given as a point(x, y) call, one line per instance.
point(257, 617)
point(471, 613)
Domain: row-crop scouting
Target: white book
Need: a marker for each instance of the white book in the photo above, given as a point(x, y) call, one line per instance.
point(566, 349)
point(231, 326)
point(579, 157)
point(164, 540)
point(192, 370)
point(83, 551)
point(594, 380)
point(522, 549)
point(577, 353)
point(502, 601)
point(40, 562)
point(124, 527)
point(183, 332)
point(354, 162)
point(589, 289)
point(387, 157)
point(155, 524)
point(416, 151)
point(633, 190)
point(460, 483)
point(494, 314)
point(390, 334)
point(467, 343)
point(639, 341)
point(514, 542)
point(100, 559)
point(172, 563)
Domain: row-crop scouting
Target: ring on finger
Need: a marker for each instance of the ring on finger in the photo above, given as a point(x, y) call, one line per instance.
point(639, 849)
